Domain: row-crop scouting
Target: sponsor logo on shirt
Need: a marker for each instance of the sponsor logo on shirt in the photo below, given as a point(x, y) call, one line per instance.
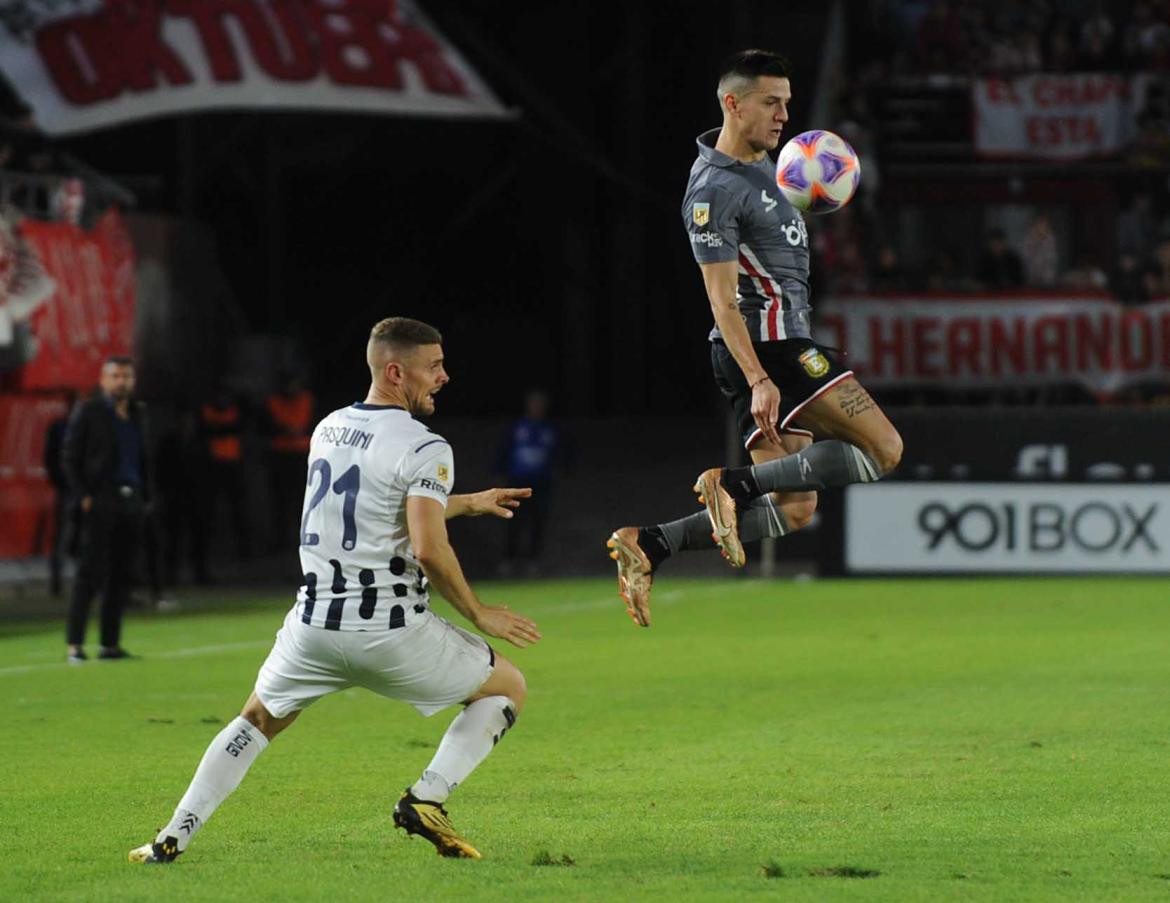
point(710, 239)
point(795, 232)
point(701, 214)
point(433, 486)
point(769, 203)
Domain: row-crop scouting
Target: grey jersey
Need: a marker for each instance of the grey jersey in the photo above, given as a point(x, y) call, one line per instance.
point(734, 211)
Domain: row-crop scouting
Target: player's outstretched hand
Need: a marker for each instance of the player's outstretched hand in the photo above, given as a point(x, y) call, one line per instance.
point(766, 409)
point(499, 502)
point(499, 621)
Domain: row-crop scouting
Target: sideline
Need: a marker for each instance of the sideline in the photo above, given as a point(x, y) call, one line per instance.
point(173, 653)
point(669, 596)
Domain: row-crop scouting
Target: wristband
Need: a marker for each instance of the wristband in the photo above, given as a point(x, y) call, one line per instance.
point(762, 379)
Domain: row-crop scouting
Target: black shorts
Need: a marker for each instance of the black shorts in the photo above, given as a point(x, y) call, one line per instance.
point(800, 368)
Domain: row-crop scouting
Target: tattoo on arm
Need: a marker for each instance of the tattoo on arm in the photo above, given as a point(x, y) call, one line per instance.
point(855, 400)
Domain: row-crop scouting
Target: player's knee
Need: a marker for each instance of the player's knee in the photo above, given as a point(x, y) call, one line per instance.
point(798, 513)
point(885, 450)
point(888, 452)
point(263, 720)
point(517, 690)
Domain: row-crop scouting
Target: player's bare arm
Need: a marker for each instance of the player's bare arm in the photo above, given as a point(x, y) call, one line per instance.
point(426, 522)
point(500, 502)
point(720, 281)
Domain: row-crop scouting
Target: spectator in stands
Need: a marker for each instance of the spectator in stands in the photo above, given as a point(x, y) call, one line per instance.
point(1098, 45)
point(289, 416)
point(999, 266)
point(1061, 51)
point(944, 274)
point(105, 457)
point(1040, 253)
point(888, 273)
point(1146, 37)
point(1128, 280)
point(1085, 276)
point(1157, 277)
point(939, 44)
point(1135, 226)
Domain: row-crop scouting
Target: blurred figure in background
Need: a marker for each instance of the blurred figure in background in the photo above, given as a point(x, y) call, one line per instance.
point(289, 426)
point(105, 462)
point(888, 273)
point(527, 458)
point(1041, 263)
point(999, 266)
point(63, 511)
point(1127, 281)
point(221, 429)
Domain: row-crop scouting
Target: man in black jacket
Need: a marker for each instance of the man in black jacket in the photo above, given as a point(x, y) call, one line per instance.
point(104, 459)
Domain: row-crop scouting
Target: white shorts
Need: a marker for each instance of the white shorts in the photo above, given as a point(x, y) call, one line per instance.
point(430, 663)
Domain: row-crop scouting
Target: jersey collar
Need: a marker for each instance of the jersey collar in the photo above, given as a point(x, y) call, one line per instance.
point(706, 142)
point(362, 406)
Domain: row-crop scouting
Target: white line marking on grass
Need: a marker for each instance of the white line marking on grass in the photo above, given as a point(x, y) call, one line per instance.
point(615, 600)
point(172, 653)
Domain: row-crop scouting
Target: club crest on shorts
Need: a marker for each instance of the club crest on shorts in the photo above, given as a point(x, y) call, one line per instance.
point(701, 214)
point(444, 473)
point(815, 364)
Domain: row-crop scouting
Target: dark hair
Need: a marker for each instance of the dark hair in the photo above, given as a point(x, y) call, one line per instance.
point(754, 63)
point(119, 360)
point(404, 332)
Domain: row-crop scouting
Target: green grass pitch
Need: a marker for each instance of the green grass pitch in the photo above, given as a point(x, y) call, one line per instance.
point(876, 740)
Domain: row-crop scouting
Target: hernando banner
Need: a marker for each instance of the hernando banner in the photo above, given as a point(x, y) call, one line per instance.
point(991, 342)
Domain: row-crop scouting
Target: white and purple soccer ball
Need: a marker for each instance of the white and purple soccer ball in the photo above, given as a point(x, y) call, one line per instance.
point(818, 171)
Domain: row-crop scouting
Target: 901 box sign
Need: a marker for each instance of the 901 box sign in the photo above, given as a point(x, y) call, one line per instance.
point(1008, 527)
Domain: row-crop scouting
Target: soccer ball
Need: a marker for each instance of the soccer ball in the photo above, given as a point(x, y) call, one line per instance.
point(818, 171)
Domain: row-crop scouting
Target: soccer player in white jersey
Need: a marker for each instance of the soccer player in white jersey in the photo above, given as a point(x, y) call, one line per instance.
point(373, 535)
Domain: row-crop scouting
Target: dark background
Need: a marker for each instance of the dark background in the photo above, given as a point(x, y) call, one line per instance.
point(548, 249)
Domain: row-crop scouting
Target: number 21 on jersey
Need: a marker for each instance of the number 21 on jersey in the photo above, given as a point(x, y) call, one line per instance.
point(348, 485)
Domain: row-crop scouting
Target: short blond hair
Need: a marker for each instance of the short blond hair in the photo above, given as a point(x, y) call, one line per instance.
point(403, 332)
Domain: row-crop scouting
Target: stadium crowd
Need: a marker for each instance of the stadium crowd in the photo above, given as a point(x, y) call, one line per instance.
point(940, 45)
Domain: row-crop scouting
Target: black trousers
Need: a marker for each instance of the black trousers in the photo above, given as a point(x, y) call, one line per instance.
point(286, 487)
point(526, 529)
point(110, 537)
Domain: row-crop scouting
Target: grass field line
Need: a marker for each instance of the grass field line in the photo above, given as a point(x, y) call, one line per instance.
point(171, 653)
point(601, 602)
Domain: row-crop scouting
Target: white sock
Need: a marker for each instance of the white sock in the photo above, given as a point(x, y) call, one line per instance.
point(223, 766)
point(467, 742)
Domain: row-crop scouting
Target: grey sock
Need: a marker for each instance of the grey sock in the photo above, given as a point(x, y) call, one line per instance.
point(762, 518)
point(822, 464)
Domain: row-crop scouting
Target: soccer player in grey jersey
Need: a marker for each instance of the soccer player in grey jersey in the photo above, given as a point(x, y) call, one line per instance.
point(373, 534)
point(752, 250)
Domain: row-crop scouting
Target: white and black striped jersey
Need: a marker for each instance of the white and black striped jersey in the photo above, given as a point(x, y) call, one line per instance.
point(360, 572)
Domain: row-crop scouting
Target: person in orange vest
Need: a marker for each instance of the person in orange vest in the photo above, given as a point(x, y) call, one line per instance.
point(289, 415)
point(221, 428)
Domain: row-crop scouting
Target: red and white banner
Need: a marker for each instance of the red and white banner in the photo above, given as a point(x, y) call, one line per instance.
point(76, 308)
point(25, 494)
point(86, 64)
point(986, 342)
point(1056, 117)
